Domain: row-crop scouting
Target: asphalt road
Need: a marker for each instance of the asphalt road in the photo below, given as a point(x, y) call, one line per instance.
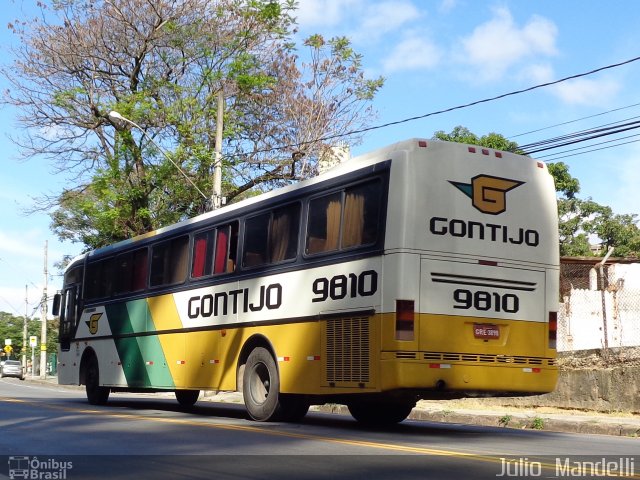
point(55, 433)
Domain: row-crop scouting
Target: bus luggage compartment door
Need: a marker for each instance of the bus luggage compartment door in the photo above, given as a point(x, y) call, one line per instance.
point(468, 306)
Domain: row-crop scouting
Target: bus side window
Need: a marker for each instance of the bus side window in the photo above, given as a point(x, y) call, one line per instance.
point(272, 237)
point(99, 281)
point(283, 234)
point(169, 262)
point(323, 230)
point(232, 252)
point(256, 231)
point(140, 269)
point(202, 254)
point(123, 277)
point(130, 272)
point(344, 219)
point(361, 215)
point(214, 251)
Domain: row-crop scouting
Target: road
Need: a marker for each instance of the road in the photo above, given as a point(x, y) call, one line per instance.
point(150, 436)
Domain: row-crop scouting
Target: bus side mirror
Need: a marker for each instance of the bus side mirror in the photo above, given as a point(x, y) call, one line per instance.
point(56, 304)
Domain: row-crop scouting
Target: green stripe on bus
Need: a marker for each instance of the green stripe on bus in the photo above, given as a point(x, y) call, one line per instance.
point(142, 358)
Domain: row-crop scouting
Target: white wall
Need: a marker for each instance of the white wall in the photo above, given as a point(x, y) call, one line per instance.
point(580, 320)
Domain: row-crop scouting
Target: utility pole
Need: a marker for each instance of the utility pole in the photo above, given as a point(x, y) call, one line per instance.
point(24, 328)
point(216, 197)
point(43, 331)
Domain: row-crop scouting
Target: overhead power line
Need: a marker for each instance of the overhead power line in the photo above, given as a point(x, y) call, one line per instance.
point(592, 150)
point(586, 147)
point(447, 110)
point(491, 99)
point(573, 121)
point(577, 137)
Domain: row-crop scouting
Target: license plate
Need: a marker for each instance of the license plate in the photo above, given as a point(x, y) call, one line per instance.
point(483, 330)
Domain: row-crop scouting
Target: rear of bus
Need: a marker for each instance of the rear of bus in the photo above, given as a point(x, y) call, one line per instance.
point(470, 273)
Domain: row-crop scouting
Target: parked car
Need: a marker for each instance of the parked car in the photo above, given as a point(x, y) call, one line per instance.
point(12, 368)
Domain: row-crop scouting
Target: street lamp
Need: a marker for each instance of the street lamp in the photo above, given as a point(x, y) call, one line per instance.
point(115, 116)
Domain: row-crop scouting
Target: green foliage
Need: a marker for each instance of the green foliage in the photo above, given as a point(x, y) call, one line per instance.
point(11, 327)
point(163, 65)
point(537, 424)
point(462, 134)
point(505, 420)
point(566, 185)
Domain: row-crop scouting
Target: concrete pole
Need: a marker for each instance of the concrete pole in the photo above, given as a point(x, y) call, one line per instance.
point(24, 328)
point(43, 331)
point(216, 197)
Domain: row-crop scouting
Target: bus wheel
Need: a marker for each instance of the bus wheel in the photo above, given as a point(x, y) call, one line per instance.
point(380, 413)
point(187, 398)
point(261, 386)
point(96, 394)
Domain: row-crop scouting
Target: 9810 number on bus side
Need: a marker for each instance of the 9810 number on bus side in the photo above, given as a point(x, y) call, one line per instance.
point(338, 287)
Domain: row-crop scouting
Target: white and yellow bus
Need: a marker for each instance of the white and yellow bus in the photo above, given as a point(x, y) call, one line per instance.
point(423, 270)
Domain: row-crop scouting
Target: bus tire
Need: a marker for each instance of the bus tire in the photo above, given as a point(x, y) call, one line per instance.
point(261, 386)
point(187, 398)
point(380, 413)
point(96, 394)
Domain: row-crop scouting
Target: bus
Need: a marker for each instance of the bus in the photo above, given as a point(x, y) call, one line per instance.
point(423, 270)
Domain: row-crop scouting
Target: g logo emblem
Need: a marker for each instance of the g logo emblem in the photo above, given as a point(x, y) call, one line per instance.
point(488, 194)
point(92, 323)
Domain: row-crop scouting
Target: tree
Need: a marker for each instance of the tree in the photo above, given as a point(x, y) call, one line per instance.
point(162, 64)
point(580, 220)
point(11, 327)
point(462, 134)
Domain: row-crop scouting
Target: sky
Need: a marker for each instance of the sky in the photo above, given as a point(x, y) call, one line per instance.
point(434, 55)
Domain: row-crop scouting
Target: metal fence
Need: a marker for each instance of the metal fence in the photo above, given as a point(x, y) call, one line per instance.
point(600, 308)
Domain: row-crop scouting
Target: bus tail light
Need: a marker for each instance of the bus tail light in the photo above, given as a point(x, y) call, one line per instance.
point(553, 329)
point(405, 319)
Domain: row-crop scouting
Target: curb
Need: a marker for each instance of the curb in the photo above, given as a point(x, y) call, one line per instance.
point(520, 421)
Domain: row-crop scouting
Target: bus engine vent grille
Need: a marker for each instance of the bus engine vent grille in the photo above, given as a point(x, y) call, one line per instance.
point(347, 350)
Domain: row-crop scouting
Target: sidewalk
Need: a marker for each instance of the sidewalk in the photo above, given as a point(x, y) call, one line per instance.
point(473, 412)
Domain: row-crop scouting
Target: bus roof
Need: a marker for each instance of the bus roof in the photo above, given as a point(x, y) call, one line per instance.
point(355, 163)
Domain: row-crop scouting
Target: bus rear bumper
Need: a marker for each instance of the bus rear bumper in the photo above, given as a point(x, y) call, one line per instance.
point(457, 379)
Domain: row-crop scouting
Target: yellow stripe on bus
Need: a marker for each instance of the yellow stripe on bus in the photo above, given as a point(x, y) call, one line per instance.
point(164, 315)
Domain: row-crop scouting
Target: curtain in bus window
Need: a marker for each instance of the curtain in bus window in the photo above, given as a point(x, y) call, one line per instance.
point(353, 220)
point(222, 242)
point(279, 236)
point(199, 256)
point(178, 258)
point(333, 224)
